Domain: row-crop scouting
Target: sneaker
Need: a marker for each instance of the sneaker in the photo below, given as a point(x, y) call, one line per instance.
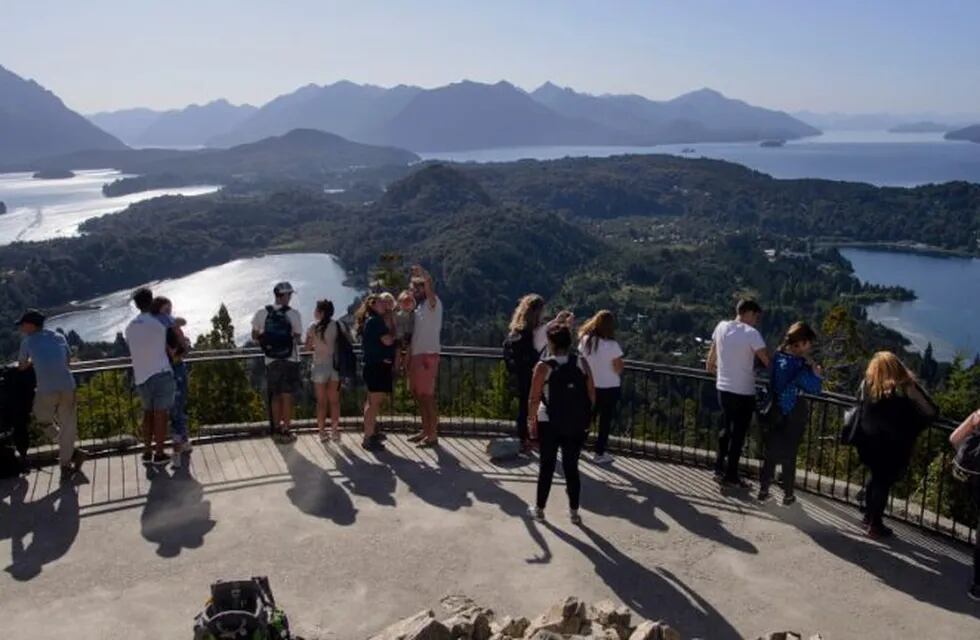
point(372, 444)
point(67, 473)
point(878, 531)
point(160, 460)
point(974, 593)
point(604, 458)
point(78, 458)
point(335, 437)
point(186, 446)
point(177, 460)
point(536, 513)
point(380, 436)
point(147, 457)
point(788, 499)
point(763, 495)
point(324, 437)
point(574, 516)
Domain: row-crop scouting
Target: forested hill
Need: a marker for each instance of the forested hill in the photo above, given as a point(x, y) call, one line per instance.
point(700, 197)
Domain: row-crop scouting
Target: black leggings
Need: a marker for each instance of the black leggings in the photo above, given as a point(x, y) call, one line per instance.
point(571, 449)
point(782, 445)
point(737, 418)
point(876, 494)
point(606, 401)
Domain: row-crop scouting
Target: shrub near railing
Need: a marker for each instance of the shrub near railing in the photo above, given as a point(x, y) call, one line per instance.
point(665, 411)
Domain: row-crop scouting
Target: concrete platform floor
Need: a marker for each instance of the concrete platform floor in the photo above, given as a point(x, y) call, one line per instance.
point(353, 541)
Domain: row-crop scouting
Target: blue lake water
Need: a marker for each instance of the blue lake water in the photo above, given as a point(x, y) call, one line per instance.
point(947, 310)
point(875, 157)
point(42, 209)
point(244, 286)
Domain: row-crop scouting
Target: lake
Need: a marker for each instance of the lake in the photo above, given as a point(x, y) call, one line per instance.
point(244, 286)
point(875, 157)
point(42, 209)
point(947, 310)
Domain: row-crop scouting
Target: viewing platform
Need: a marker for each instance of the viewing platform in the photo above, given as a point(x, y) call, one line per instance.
point(353, 540)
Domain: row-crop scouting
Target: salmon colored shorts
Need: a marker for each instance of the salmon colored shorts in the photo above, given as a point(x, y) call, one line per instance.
point(422, 373)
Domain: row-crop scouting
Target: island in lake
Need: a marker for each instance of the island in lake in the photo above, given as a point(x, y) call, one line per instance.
point(53, 174)
point(971, 134)
point(923, 126)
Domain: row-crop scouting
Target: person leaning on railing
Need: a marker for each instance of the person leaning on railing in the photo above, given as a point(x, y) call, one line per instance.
point(793, 374)
point(957, 438)
point(895, 409)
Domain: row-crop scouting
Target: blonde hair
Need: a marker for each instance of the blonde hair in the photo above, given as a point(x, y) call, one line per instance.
point(406, 295)
point(387, 297)
point(885, 375)
point(601, 325)
point(361, 316)
point(527, 315)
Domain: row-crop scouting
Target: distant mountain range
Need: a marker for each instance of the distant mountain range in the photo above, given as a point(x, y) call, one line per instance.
point(882, 121)
point(34, 122)
point(971, 133)
point(188, 127)
point(471, 115)
point(922, 126)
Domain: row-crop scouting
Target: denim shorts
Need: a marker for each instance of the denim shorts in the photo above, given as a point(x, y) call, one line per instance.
point(323, 372)
point(157, 393)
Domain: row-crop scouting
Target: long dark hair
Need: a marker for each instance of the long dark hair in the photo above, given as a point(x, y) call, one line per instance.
point(601, 325)
point(366, 309)
point(325, 307)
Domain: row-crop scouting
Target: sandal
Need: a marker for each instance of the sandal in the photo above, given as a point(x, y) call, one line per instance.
point(428, 444)
point(418, 437)
point(324, 436)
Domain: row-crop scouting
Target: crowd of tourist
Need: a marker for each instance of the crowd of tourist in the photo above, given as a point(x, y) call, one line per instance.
point(565, 379)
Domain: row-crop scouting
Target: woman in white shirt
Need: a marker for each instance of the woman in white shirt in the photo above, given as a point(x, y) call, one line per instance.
point(321, 337)
point(598, 346)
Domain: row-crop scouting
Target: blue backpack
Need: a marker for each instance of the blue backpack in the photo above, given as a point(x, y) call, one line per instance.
point(277, 340)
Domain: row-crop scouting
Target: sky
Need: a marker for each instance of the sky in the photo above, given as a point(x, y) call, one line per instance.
point(895, 56)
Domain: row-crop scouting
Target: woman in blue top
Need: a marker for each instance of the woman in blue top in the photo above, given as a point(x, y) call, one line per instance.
point(793, 374)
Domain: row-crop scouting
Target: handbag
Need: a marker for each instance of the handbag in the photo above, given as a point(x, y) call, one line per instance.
point(851, 430)
point(966, 462)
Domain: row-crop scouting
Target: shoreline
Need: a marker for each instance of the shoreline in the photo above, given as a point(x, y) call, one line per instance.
point(900, 247)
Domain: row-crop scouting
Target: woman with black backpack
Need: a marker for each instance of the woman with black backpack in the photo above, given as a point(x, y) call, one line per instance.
point(520, 356)
point(894, 411)
point(966, 456)
point(561, 400)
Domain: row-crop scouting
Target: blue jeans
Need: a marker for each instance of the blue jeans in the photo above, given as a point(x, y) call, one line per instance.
point(178, 414)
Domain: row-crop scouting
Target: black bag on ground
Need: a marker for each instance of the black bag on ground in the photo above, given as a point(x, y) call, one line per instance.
point(277, 335)
point(966, 462)
point(344, 358)
point(242, 609)
point(568, 403)
point(519, 352)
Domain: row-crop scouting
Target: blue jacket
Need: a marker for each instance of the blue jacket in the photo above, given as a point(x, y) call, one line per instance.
point(791, 376)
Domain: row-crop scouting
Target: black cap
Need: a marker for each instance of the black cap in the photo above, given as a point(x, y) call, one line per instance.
point(32, 316)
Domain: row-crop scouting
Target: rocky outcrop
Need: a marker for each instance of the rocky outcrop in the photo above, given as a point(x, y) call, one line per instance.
point(570, 619)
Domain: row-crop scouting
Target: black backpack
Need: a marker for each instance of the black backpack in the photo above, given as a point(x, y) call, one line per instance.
point(966, 462)
point(277, 340)
point(244, 610)
point(344, 358)
point(568, 403)
point(519, 353)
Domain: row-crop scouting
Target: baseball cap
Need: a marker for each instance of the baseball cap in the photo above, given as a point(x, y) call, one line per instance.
point(32, 316)
point(283, 287)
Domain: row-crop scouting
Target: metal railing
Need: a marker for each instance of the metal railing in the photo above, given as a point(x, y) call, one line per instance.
point(666, 411)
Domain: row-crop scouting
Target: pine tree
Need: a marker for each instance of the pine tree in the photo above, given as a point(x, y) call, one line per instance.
point(220, 392)
point(929, 369)
point(843, 353)
point(389, 274)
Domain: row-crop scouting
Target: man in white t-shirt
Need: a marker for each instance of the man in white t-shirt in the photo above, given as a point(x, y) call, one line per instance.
point(735, 347)
point(278, 329)
point(146, 338)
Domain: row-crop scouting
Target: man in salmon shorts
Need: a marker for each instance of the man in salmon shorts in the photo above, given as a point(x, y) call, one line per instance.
point(424, 363)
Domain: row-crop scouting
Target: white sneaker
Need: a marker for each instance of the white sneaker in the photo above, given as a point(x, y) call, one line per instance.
point(603, 459)
point(536, 513)
point(186, 447)
point(177, 460)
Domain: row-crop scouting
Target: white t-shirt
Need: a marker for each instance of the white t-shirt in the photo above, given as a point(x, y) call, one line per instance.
point(543, 410)
point(258, 324)
point(146, 338)
point(601, 361)
point(323, 347)
point(735, 347)
point(428, 326)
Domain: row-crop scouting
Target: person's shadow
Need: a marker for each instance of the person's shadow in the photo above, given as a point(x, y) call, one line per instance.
point(606, 500)
point(51, 522)
point(914, 569)
point(654, 594)
point(314, 491)
point(175, 515)
point(438, 485)
point(375, 482)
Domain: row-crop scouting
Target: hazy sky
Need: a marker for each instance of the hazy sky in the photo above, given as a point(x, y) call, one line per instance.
point(848, 55)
